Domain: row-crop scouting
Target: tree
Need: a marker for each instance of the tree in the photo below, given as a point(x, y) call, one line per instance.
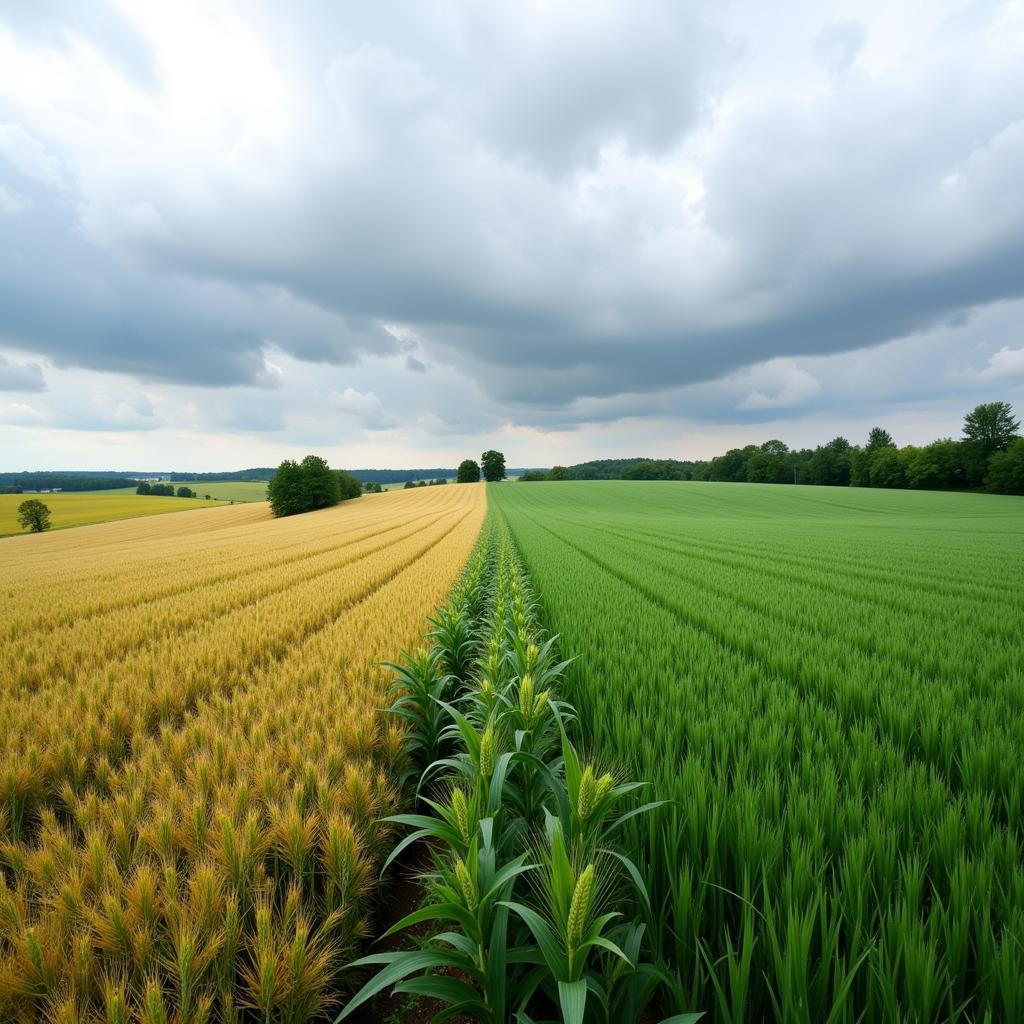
point(373, 487)
point(879, 438)
point(532, 475)
point(33, 515)
point(887, 468)
point(320, 485)
point(991, 427)
point(493, 465)
point(143, 488)
point(348, 485)
point(284, 491)
point(558, 473)
point(936, 466)
point(1006, 469)
point(468, 472)
point(767, 465)
point(186, 492)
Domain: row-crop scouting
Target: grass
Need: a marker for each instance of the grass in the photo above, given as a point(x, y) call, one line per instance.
point(219, 490)
point(82, 509)
point(827, 684)
point(193, 763)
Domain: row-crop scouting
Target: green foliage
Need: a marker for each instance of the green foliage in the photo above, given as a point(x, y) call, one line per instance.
point(492, 464)
point(528, 898)
point(33, 515)
point(468, 472)
point(535, 475)
point(185, 492)
point(825, 686)
point(299, 487)
point(144, 488)
point(991, 426)
point(348, 485)
point(879, 438)
point(885, 467)
point(1006, 469)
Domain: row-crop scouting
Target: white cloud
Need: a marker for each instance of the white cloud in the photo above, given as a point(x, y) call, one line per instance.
point(29, 156)
point(1006, 364)
point(778, 384)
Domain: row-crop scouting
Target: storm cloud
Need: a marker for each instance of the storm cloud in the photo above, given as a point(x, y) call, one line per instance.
point(553, 216)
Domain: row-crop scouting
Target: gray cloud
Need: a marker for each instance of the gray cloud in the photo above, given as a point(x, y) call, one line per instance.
point(593, 214)
point(19, 376)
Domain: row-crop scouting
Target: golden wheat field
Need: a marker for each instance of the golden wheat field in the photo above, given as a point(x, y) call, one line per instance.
point(192, 761)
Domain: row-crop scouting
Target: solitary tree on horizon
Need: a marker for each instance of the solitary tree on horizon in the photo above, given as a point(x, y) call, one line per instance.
point(468, 472)
point(493, 464)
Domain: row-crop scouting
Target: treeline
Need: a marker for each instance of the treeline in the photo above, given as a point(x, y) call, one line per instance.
point(166, 490)
point(258, 474)
point(423, 483)
point(989, 455)
point(307, 485)
point(617, 469)
point(16, 483)
point(397, 476)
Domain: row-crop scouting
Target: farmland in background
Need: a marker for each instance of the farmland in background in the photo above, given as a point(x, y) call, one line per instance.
point(193, 764)
point(221, 490)
point(81, 508)
point(827, 685)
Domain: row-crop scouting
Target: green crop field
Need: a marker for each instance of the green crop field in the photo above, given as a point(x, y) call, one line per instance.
point(219, 490)
point(827, 685)
point(86, 507)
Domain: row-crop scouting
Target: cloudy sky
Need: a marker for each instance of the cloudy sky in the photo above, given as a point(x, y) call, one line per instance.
point(396, 234)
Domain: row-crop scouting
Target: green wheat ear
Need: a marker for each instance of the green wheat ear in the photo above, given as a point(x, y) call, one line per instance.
point(579, 908)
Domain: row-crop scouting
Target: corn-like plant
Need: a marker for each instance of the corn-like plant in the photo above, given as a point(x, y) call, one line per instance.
point(510, 773)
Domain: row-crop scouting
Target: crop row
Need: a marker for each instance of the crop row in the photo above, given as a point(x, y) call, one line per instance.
point(192, 832)
point(844, 835)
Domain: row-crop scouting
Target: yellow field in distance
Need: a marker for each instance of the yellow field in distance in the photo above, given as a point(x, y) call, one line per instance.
point(193, 763)
point(93, 507)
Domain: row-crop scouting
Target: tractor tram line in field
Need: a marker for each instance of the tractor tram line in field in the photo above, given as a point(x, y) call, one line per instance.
point(150, 618)
point(169, 702)
point(226, 556)
point(806, 618)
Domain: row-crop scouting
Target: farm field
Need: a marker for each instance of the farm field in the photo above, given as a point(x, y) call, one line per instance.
point(219, 490)
point(192, 764)
point(828, 686)
point(87, 507)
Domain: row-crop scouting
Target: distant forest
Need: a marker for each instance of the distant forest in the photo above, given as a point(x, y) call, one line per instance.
point(989, 455)
point(97, 480)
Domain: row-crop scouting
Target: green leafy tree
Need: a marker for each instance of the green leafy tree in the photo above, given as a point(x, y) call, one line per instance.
point(468, 472)
point(879, 438)
point(887, 469)
point(991, 427)
point(493, 465)
point(768, 464)
point(186, 492)
point(284, 491)
point(320, 485)
point(1006, 469)
point(33, 515)
point(936, 466)
point(558, 473)
point(143, 488)
point(348, 486)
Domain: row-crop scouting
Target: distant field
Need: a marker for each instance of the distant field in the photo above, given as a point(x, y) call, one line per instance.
point(224, 490)
point(827, 686)
point(81, 509)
